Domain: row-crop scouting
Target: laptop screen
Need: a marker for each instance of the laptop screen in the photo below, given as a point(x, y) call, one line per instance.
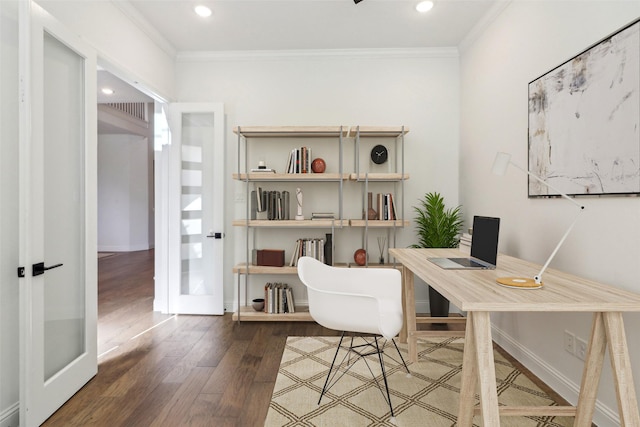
point(484, 242)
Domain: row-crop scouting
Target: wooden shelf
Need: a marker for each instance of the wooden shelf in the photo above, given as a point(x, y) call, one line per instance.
point(378, 131)
point(291, 223)
point(297, 177)
point(261, 269)
point(376, 265)
point(390, 177)
point(248, 314)
point(290, 131)
point(378, 223)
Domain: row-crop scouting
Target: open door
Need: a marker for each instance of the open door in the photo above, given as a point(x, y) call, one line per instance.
point(58, 293)
point(196, 206)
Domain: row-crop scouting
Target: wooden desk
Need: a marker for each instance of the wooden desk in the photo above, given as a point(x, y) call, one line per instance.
point(477, 293)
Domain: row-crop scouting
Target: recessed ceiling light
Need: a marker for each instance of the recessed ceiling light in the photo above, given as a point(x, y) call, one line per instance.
point(203, 11)
point(107, 91)
point(424, 6)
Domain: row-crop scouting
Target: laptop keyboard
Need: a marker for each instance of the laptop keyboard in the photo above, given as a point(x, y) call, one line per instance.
point(467, 262)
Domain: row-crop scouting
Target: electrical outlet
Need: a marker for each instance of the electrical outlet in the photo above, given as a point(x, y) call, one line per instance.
point(569, 342)
point(581, 348)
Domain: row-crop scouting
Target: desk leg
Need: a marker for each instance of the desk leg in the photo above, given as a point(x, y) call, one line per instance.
point(591, 373)
point(469, 379)
point(621, 367)
point(409, 327)
point(486, 368)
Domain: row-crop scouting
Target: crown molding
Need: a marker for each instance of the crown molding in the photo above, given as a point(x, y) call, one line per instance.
point(252, 55)
point(131, 13)
point(488, 18)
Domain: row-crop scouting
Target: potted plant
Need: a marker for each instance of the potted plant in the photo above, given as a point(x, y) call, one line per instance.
point(437, 227)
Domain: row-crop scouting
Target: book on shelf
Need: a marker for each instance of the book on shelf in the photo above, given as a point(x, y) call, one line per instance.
point(259, 200)
point(386, 207)
point(262, 170)
point(299, 160)
point(274, 203)
point(322, 215)
point(278, 298)
point(311, 247)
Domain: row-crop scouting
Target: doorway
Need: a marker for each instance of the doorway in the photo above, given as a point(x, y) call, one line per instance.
point(126, 214)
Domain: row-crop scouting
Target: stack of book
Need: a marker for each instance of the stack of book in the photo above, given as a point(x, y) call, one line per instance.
point(322, 215)
point(278, 298)
point(307, 247)
point(465, 242)
point(299, 160)
point(386, 207)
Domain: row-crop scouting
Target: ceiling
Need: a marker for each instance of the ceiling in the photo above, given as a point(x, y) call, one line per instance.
point(308, 24)
point(254, 25)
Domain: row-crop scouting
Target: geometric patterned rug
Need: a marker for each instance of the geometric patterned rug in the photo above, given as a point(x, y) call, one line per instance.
point(428, 398)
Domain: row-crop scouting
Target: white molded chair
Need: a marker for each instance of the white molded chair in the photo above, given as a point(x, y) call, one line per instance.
point(357, 300)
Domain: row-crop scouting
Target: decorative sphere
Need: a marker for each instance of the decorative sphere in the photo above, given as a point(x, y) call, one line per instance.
point(318, 165)
point(360, 257)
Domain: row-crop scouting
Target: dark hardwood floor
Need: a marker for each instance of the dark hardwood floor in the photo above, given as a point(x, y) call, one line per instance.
point(163, 370)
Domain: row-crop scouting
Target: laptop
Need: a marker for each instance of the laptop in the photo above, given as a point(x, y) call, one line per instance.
point(484, 247)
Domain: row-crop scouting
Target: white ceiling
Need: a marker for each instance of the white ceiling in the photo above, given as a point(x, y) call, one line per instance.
point(308, 24)
point(252, 25)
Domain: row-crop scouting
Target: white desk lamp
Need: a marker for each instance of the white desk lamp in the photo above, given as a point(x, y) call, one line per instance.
point(500, 165)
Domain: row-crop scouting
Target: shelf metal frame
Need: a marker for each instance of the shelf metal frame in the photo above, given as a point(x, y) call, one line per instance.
point(245, 133)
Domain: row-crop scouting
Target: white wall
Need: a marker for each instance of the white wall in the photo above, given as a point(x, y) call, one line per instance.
point(415, 88)
point(124, 206)
point(525, 41)
point(124, 48)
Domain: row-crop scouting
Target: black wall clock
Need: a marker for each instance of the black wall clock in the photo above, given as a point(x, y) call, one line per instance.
point(379, 154)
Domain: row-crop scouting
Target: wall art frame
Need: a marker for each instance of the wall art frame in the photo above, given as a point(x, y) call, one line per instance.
point(584, 121)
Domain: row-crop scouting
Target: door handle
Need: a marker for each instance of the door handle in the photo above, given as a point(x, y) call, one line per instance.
point(39, 268)
point(213, 235)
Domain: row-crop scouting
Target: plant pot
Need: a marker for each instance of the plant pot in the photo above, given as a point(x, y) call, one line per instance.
point(438, 305)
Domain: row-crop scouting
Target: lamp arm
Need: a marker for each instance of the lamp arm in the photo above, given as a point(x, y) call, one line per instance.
point(537, 178)
point(538, 277)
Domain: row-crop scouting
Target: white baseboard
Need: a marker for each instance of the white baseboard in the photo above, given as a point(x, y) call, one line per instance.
point(603, 416)
point(10, 416)
point(159, 305)
point(124, 248)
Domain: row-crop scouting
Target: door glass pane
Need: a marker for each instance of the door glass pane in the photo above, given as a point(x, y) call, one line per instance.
point(197, 132)
point(9, 249)
point(63, 168)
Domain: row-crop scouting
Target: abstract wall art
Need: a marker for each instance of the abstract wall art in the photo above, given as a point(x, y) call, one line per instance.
point(584, 121)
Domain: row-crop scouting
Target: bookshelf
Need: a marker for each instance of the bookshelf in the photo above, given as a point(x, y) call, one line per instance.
point(253, 139)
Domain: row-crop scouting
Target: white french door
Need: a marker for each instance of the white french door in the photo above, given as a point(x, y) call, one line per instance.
point(196, 186)
point(58, 212)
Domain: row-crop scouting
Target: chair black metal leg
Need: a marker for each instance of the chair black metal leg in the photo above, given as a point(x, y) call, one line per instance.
point(400, 354)
point(335, 356)
point(384, 376)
